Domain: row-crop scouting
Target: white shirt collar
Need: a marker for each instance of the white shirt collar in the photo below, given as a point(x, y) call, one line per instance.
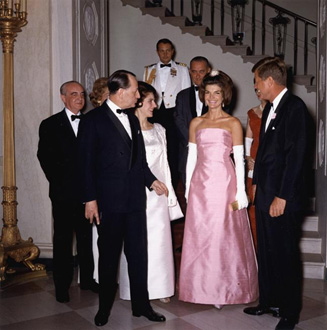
point(112, 105)
point(69, 114)
point(170, 62)
point(278, 98)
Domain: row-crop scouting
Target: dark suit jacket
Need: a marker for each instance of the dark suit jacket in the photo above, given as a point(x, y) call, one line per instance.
point(113, 167)
point(57, 153)
point(279, 165)
point(185, 111)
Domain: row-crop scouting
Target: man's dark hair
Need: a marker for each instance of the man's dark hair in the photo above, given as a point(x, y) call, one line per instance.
point(200, 59)
point(119, 79)
point(63, 87)
point(273, 67)
point(165, 41)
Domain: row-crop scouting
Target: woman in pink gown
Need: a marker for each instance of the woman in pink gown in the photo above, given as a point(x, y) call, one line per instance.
point(218, 260)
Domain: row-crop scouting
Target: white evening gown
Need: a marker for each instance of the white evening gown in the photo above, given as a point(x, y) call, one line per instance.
point(161, 283)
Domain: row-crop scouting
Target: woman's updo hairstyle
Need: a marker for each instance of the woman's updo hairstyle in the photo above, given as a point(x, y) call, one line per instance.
point(221, 79)
point(145, 89)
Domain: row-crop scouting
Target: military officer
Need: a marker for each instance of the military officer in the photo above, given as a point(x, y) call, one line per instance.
point(168, 78)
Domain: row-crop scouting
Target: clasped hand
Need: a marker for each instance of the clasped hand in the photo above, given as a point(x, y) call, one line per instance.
point(159, 187)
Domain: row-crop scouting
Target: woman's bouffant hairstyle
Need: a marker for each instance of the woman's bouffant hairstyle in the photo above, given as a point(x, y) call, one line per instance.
point(145, 89)
point(99, 87)
point(221, 79)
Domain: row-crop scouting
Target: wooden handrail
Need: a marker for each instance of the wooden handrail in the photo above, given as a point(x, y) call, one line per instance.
point(288, 12)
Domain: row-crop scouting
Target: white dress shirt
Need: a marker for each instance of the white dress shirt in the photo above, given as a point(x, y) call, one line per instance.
point(164, 73)
point(123, 118)
point(74, 123)
point(199, 104)
point(274, 106)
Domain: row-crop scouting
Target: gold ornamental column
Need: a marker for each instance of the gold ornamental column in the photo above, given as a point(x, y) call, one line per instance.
point(12, 19)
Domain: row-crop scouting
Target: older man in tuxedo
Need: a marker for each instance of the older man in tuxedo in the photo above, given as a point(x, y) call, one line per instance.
point(188, 106)
point(114, 174)
point(57, 153)
point(279, 194)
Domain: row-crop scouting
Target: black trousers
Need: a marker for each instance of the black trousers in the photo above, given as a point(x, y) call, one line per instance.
point(116, 230)
point(69, 218)
point(279, 262)
point(165, 118)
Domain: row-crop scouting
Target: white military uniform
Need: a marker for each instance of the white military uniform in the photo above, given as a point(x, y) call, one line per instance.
point(170, 80)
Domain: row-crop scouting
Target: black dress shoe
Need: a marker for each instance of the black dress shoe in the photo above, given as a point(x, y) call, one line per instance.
point(151, 315)
point(260, 310)
point(101, 319)
point(286, 324)
point(62, 296)
point(93, 286)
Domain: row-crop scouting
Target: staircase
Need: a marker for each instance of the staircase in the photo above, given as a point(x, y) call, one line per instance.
point(311, 242)
point(225, 42)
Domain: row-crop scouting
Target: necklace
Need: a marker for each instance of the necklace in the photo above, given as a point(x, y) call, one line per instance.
point(261, 107)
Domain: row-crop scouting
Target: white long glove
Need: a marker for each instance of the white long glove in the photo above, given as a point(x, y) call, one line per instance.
point(190, 165)
point(241, 196)
point(248, 144)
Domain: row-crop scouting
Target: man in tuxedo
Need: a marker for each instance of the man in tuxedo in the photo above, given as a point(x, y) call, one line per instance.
point(189, 106)
point(57, 153)
point(279, 193)
point(168, 78)
point(114, 174)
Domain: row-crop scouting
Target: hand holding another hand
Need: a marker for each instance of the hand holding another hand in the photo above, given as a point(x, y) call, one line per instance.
point(160, 188)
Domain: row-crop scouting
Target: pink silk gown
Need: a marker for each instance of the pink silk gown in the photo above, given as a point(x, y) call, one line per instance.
point(218, 260)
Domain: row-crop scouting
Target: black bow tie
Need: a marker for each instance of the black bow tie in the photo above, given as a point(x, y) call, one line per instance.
point(119, 111)
point(73, 117)
point(196, 88)
point(163, 65)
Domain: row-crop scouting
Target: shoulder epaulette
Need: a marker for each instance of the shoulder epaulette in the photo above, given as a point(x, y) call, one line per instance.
point(147, 66)
point(182, 64)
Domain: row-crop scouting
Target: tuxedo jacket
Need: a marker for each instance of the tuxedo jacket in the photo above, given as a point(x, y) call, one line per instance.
point(178, 79)
point(185, 111)
point(279, 164)
point(113, 167)
point(57, 153)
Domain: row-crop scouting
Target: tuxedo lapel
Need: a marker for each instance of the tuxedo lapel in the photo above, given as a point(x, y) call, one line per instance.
point(118, 125)
point(67, 127)
point(135, 132)
point(265, 114)
point(193, 102)
point(277, 111)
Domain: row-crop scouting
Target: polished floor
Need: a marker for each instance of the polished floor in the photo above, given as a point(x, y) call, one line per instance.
point(33, 305)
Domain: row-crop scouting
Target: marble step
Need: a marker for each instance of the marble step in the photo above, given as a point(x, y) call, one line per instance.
point(155, 11)
point(303, 79)
point(134, 3)
point(217, 40)
point(313, 266)
point(310, 223)
point(310, 242)
point(179, 21)
point(241, 50)
point(196, 30)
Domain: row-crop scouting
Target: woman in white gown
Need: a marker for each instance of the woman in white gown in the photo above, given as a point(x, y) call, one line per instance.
point(160, 209)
